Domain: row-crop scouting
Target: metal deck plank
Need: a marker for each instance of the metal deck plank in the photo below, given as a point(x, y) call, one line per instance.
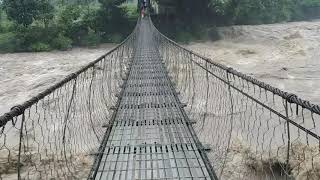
point(150, 138)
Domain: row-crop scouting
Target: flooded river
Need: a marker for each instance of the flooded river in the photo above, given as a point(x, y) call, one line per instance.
point(23, 75)
point(284, 55)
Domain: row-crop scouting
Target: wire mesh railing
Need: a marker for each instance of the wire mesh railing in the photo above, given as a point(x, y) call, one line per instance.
point(55, 134)
point(254, 131)
point(251, 130)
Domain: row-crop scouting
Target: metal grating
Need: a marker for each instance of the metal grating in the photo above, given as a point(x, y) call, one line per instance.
point(150, 137)
point(152, 162)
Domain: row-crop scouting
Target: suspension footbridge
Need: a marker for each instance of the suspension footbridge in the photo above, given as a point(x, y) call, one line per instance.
point(151, 109)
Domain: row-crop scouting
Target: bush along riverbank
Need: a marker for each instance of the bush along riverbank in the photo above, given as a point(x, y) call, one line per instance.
point(191, 20)
point(43, 25)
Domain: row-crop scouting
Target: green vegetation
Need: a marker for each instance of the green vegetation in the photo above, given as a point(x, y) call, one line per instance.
point(187, 20)
point(61, 42)
point(263, 11)
point(43, 25)
point(8, 42)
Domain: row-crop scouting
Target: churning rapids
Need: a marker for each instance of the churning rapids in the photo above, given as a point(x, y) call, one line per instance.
point(284, 55)
point(23, 75)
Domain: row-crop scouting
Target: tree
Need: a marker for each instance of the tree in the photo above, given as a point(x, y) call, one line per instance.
point(45, 12)
point(255, 11)
point(24, 12)
point(1, 9)
point(70, 22)
point(21, 11)
point(111, 18)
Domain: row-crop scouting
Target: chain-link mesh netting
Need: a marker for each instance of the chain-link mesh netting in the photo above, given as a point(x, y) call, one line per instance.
point(56, 134)
point(250, 129)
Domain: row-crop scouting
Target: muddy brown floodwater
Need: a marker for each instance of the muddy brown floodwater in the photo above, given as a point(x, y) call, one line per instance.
point(284, 55)
point(23, 75)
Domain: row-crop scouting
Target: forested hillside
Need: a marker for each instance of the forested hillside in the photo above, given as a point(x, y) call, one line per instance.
point(43, 25)
point(196, 19)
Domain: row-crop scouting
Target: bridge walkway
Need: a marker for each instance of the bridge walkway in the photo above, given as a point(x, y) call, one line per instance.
point(150, 137)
